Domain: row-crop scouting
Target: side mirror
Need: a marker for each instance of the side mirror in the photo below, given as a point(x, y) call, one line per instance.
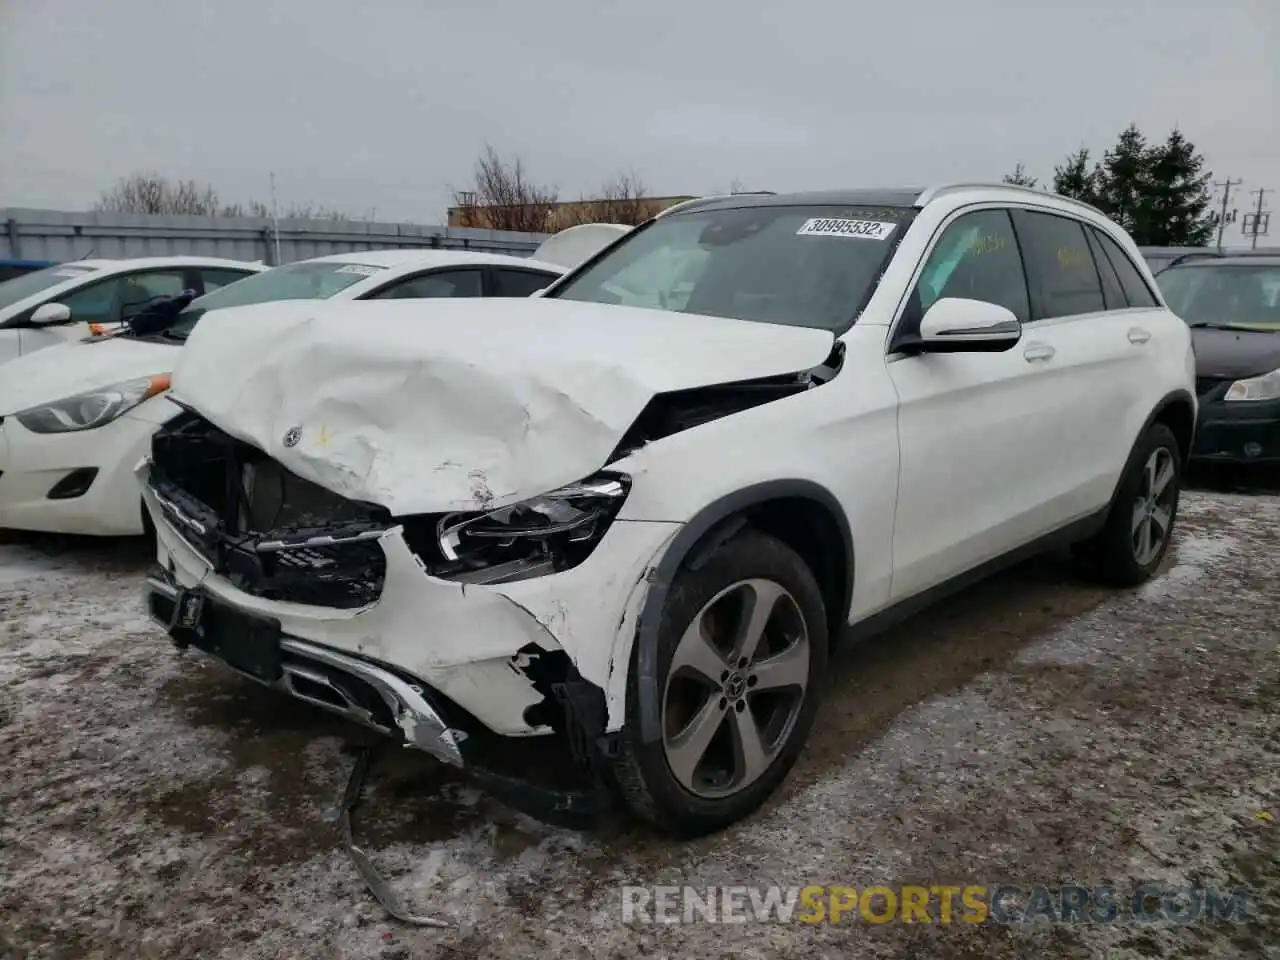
point(50, 315)
point(957, 325)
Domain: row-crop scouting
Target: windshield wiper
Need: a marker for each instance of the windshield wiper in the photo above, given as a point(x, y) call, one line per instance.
point(1242, 328)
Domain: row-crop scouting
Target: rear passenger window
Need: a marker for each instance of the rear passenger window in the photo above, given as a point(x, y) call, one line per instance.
point(215, 279)
point(975, 258)
point(519, 283)
point(1112, 292)
point(1135, 288)
point(1063, 278)
point(442, 283)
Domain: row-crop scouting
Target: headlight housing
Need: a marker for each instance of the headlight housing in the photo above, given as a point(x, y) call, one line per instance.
point(1265, 387)
point(544, 534)
point(93, 408)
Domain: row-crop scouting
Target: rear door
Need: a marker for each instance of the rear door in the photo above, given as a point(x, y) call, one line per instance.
point(976, 429)
point(1098, 346)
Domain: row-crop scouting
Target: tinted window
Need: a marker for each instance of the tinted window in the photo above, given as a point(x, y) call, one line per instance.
point(442, 283)
point(1063, 277)
point(213, 279)
point(1112, 292)
point(19, 288)
point(1135, 288)
point(519, 283)
point(109, 300)
point(975, 258)
point(808, 266)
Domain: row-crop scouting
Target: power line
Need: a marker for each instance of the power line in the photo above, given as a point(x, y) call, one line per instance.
point(1222, 219)
point(1256, 223)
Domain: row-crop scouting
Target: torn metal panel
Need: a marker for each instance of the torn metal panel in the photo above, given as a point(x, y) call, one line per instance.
point(454, 405)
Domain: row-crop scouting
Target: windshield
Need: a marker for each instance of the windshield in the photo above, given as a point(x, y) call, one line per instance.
point(802, 266)
point(307, 280)
point(19, 288)
point(1238, 295)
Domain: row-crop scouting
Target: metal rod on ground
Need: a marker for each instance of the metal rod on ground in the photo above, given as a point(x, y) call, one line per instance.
point(383, 893)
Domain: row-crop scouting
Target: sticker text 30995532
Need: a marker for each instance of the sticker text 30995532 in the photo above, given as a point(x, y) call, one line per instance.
point(833, 227)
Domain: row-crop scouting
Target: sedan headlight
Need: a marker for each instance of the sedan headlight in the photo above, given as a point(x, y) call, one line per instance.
point(1265, 387)
point(93, 408)
point(547, 533)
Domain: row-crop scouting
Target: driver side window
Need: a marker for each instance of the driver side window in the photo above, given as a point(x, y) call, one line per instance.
point(976, 258)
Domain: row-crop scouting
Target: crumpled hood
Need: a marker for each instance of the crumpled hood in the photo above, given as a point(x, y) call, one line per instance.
point(70, 368)
point(435, 405)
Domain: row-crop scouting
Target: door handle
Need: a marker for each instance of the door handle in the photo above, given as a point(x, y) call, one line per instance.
point(1139, 336)
point(1038, 351)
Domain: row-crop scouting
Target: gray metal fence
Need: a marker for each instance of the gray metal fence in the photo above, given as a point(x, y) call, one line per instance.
point(60, 236)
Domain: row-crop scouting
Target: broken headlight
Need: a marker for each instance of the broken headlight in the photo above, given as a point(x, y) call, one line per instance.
point(547, 533)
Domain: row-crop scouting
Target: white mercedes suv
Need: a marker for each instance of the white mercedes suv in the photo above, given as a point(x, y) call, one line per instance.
point(632, 514)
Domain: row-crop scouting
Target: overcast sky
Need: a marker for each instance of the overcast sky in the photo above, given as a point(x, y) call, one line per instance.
point(383, 105)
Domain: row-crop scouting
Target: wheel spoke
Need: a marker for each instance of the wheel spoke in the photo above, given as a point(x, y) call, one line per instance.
point(790, 668)
point(686, 749)
point(1139, 515)
point(1161, 517)
point(748, 750)
point(764, 596)
point(696, 652)
point(1143, 550)
point(1149, 476)
point(1164, 474)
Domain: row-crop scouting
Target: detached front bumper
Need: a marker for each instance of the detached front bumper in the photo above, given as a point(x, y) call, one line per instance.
point(359, 690)
point(496, 651)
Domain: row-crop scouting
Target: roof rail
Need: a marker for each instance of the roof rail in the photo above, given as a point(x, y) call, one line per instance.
point(932, 193)
point(698, 201)
point(1183, 258)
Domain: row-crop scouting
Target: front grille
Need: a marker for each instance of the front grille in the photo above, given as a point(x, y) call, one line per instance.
point(268, 531)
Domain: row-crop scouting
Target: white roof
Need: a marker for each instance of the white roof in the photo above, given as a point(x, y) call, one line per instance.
point(430, 258)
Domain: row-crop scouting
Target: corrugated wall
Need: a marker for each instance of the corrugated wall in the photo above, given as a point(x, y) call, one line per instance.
point(60, 236)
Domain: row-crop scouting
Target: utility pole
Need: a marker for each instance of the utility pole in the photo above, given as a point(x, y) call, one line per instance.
point(1260, 221)
point(1223, 218)
point(275, 219)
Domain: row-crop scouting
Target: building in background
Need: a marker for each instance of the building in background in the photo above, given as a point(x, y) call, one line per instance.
point(564, 214)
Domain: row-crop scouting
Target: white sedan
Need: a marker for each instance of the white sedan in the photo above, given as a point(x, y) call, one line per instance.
point(62, 303)
point(76, 419)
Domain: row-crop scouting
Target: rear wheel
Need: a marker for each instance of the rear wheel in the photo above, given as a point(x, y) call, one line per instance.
point(1139, 528)
point(741, 648)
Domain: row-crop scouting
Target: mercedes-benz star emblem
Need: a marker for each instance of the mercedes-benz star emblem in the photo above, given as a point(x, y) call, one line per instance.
point(293, 436)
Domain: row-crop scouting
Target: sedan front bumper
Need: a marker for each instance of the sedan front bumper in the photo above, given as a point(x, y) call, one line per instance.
point(1237, 432)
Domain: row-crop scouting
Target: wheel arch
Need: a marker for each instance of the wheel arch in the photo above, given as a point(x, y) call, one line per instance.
point(792, 511)
point(1177, 411)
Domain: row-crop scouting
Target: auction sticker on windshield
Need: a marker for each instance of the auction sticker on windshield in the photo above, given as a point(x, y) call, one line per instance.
point(359, 269)
point(832, 227)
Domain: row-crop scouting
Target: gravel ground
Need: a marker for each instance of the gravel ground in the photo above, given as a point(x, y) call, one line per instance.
point(1033, 730)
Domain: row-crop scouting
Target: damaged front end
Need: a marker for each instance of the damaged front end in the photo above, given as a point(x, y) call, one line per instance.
point(283, 540)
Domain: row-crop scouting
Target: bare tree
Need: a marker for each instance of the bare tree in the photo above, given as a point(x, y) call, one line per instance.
point(625, 200)
point(148, 192)
point(503, 197)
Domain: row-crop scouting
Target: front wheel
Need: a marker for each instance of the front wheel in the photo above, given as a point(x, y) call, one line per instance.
point(1139, 528)
point(741, 648)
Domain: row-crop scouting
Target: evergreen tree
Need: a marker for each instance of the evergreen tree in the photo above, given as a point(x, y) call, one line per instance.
point(1076, 179)
point(1178, 195)
point(1125, 183)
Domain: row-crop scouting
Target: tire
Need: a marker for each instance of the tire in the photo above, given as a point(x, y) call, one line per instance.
point(720, 594)
point(1115, 555)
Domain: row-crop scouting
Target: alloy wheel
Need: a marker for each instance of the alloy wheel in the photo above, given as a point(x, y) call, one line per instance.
point(1153, 508)
point(735, 688)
